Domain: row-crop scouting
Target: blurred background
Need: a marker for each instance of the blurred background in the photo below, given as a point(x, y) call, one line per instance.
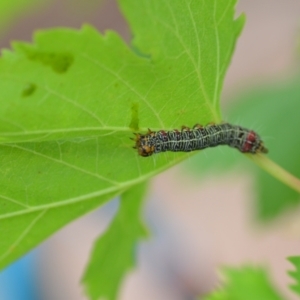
point(198, 224)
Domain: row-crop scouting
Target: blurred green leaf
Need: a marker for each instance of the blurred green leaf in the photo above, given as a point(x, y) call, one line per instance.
point(69, 102)
point(114, 252)
point(247, 283)
point(10, 9)
point(273, 112)
point(295, 260)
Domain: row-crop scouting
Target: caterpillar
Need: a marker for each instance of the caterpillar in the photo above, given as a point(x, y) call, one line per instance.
point(199, 137)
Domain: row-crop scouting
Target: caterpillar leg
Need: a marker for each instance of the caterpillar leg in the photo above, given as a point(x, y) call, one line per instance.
point(211, 123)
point(197, 126)
point(185, 128)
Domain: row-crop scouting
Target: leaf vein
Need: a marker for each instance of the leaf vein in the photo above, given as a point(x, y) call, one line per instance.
point(23, 235)
point(63, 163)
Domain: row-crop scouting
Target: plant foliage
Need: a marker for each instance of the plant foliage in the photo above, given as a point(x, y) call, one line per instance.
point(114, 253)
point(273, 109)
point(295, 260)
point(70, 101)
point(247, 283)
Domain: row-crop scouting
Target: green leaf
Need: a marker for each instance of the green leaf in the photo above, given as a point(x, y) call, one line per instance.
point(247, 283)
point(114, 252)
point(70, 101)
point(295, 260)
point(273, 111)
point(190, 44)
point(276, 106)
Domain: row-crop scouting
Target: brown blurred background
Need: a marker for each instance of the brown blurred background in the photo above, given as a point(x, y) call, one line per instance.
point(198, 226)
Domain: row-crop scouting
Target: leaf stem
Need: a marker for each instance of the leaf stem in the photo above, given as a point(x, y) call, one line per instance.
point(276, 171)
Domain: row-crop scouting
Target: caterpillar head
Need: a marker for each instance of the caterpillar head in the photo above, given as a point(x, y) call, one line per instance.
point(143, 144)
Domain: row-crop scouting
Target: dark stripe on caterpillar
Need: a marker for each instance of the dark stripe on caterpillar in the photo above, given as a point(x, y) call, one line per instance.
point(186, 140)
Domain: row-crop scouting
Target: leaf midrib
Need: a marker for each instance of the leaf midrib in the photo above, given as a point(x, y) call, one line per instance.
point(120, 189)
